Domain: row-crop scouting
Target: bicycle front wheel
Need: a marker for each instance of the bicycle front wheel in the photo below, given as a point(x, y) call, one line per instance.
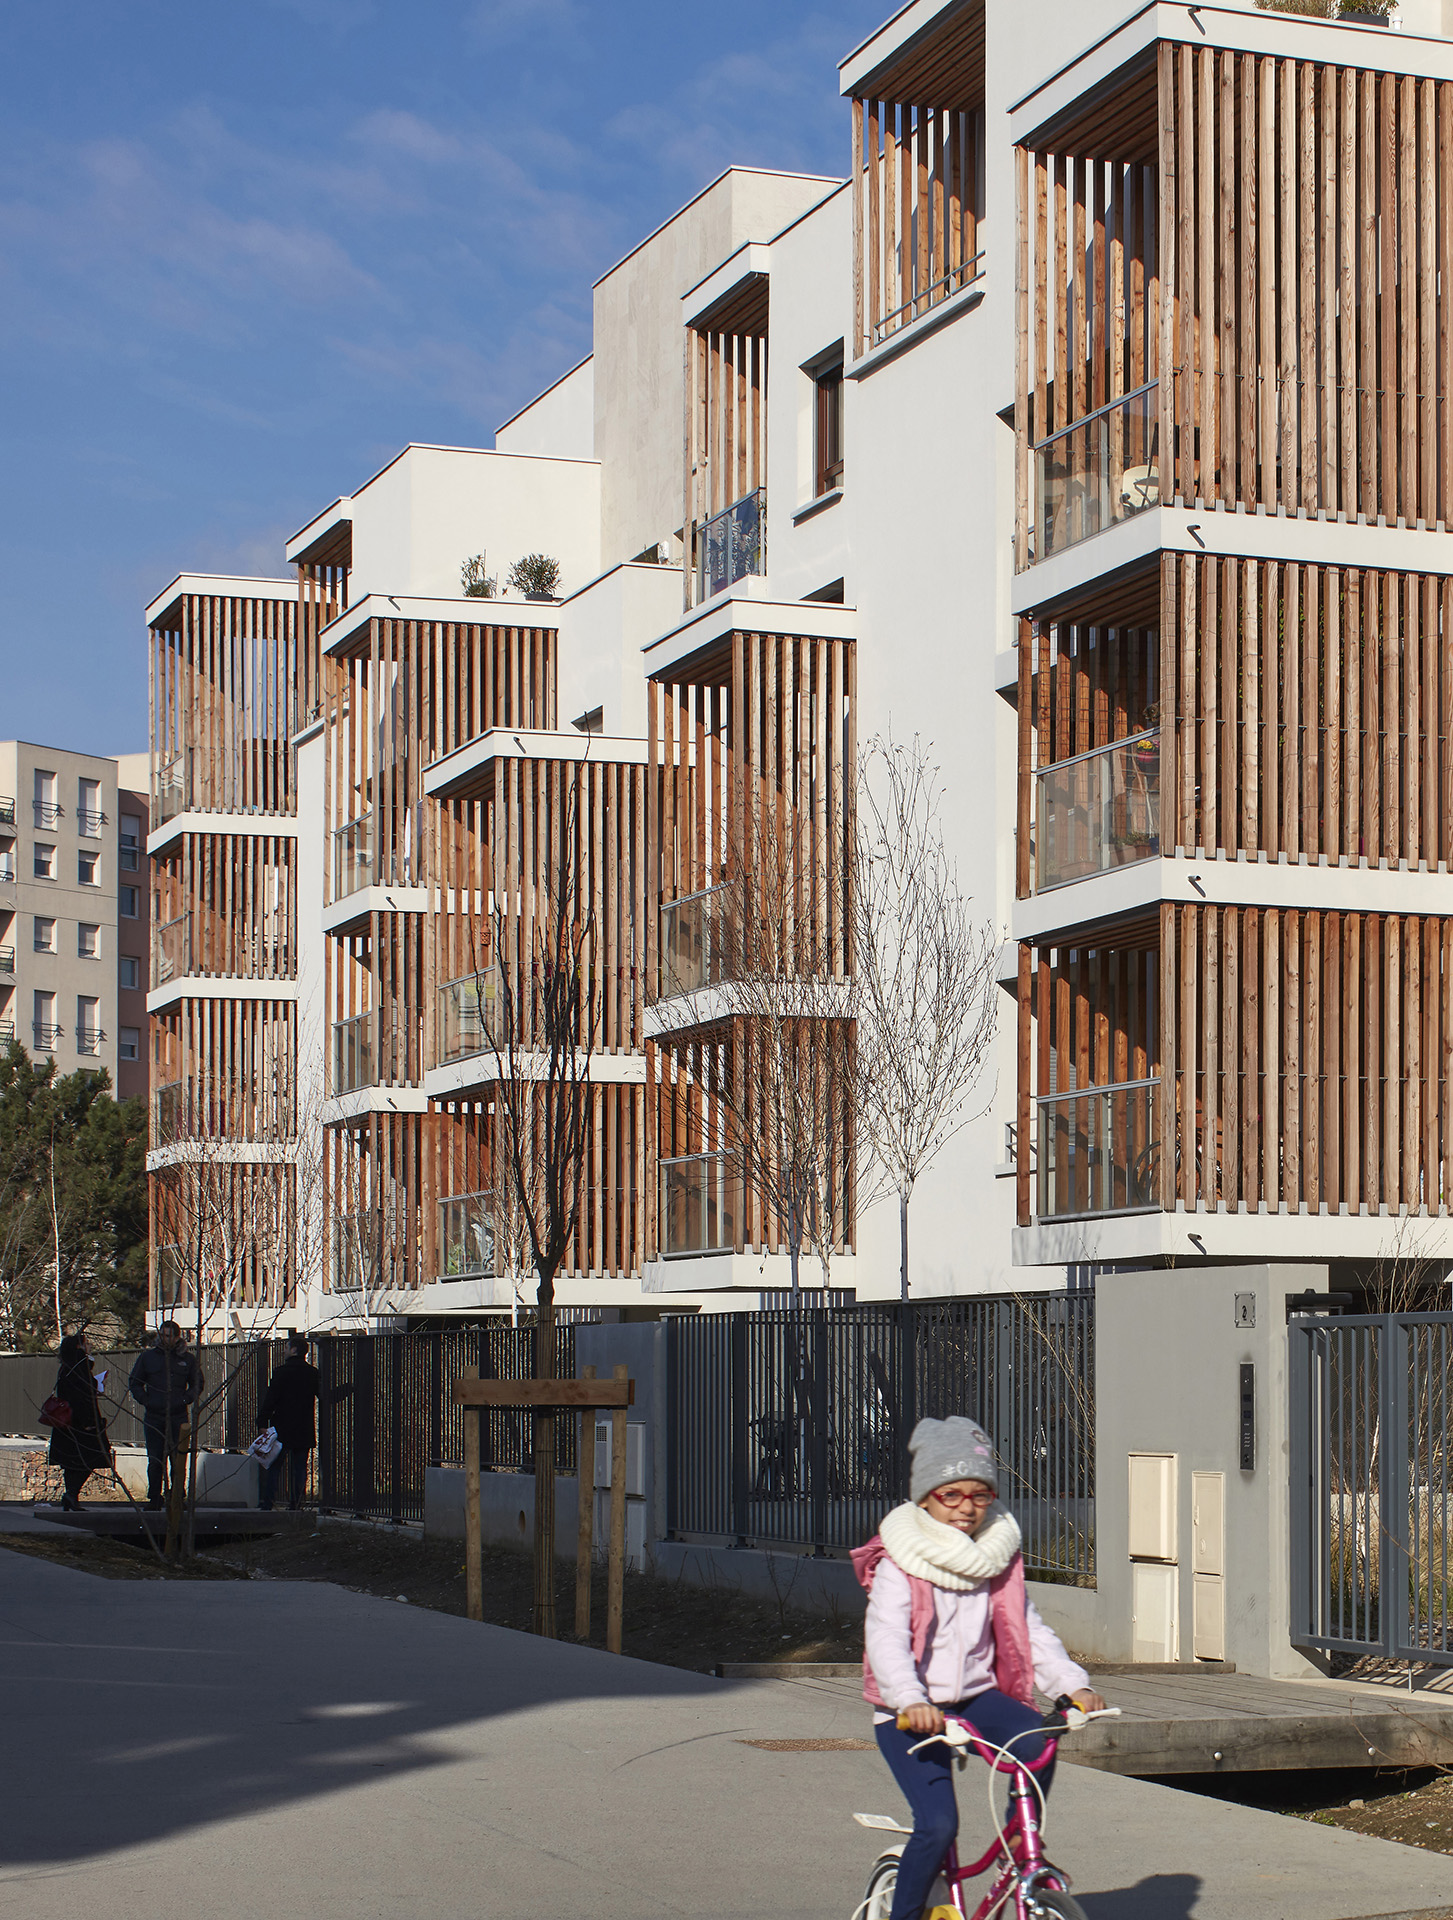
point(1050, 1903)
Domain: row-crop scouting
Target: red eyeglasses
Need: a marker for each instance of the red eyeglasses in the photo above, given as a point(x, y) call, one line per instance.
point(959, 1497)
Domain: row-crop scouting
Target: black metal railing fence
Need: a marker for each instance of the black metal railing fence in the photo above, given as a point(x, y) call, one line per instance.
point(791, 1427)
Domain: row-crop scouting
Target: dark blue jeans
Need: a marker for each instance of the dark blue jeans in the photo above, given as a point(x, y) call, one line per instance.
point(928, 1786)
point(160, 1434)
point(297, 1465)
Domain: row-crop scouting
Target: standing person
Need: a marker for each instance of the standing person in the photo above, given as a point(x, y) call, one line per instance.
point(951, 1628)
point(166, 1380)
point(79, 1449)
point(289, 1406)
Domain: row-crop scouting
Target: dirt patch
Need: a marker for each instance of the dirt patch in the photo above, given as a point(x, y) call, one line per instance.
point(114, 1559)
point(1412, 1805)
point(664, 1620)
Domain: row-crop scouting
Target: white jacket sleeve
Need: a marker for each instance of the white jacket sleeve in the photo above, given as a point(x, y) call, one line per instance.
point(1054, 1671)
point(887, 1639)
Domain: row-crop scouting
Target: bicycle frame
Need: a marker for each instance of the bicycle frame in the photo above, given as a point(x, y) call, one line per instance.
point(1015, 1877)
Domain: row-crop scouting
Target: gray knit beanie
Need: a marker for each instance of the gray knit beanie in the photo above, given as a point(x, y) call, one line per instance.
point(952, 1449)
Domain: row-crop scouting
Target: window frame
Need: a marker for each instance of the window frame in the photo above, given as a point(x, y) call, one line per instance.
point(827, 423)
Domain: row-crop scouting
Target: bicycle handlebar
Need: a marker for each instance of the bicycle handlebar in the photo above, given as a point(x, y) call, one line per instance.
point(959, 1734)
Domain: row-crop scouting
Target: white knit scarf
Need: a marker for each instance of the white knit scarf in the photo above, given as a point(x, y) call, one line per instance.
point(929, 1550)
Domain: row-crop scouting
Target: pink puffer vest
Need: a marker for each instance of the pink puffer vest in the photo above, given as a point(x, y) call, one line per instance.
point(1008, 1602)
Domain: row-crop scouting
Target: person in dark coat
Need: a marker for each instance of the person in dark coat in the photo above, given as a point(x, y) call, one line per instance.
point(289, 1407)
point(166, 1380)
point(79, 1449)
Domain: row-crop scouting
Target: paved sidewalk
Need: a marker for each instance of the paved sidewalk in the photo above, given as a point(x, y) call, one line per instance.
point(265, 1745)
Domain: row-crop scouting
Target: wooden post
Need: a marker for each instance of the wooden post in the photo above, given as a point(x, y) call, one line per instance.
point(473, 1531)
point(616, 1575)
point(585, 1532)
point(176, 1488)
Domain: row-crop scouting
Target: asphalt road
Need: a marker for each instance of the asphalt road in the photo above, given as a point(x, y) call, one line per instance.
point(251, 1750)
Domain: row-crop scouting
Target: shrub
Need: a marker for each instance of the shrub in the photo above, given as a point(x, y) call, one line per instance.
point(476, 582)
point(536, 573)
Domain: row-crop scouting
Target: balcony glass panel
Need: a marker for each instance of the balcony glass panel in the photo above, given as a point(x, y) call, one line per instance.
point(353, 1061)
point(1096, 473)
point(699, 1205)
point(352, 856)
point(167, 1112)
point(171, 787)
point(468, 1012)
point(7, 1032)
point(171, 949)
point(1099, 1151)
point(7, 961)
point(693, 943)
point(355, 1244)
point(7, 810)
point(733, 544)
point(466, 1236)
point(1098, 811)
point(7, 868)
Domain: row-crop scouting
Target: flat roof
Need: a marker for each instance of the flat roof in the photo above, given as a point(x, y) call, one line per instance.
point(222, 586)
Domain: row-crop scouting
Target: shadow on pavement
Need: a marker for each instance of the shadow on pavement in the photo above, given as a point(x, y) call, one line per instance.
point(1161, 1896)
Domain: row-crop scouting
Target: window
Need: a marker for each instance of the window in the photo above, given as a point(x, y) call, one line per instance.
point(46, 810)
point(47, 1033)
point(88, 869)
point(128, 972)
point(89, 817)
point(44, 935)
point(88, 941)
point(44, 863)
point(130, 1046)
point(828, 454)
point(130, 843)
point(88, 1024)
point(130, 903)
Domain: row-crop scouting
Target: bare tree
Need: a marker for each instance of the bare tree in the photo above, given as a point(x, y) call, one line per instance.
point(542, 1031)
point(927, 995)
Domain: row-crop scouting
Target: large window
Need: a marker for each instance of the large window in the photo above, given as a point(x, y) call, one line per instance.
point(828, 438)
point(89, 817)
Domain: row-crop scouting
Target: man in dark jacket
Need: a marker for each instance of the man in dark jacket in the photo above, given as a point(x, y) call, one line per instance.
point(289, 1407)
point(166, 1380)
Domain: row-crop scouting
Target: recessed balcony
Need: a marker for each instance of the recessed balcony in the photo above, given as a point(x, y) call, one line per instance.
point(467, 1236)
point(1098, 1151)
point(467, 1017)
point(732, 545)
point(353, 1060)
point(693, 942)
point(7, 963)
point(700, 1205)
point(171, 949)
point(1096, 473)
point(1098, 811)
point(173, 787)
point(352, 856)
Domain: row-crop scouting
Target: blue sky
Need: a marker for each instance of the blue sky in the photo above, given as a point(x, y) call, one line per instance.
point(247, 251)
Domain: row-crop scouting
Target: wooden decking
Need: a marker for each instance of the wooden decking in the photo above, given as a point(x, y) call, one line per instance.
point(1180, 1722)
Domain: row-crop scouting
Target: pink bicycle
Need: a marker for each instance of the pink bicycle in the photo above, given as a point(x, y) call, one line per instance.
point(1025, 1885)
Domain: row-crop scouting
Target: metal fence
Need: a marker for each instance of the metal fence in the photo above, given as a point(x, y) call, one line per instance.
point(791, 1428)
point(384, 1417)
point(1369, 1442)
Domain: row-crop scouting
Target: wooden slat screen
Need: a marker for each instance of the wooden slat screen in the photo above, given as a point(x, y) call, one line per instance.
point(238, 895)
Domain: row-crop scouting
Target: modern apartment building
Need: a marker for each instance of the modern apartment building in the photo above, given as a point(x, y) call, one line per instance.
point(1093, 430)
point(73, 911)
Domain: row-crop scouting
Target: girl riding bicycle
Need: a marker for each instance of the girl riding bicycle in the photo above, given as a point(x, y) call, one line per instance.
point(951, 1627)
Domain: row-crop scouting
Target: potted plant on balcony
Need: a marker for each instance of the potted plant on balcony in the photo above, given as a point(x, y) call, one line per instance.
point(477, 584)
point(536, 576)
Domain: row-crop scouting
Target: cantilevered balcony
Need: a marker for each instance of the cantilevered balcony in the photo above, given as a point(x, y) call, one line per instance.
point(733, 544)
point(467, 1236)
point(1098, 1151)
point(1098, 811)
point(1097, 472)
point(700, 1205)
point(354, 1061)
point(694, 942)
point(467, 1017)
point(171, 950)
point(352, 856)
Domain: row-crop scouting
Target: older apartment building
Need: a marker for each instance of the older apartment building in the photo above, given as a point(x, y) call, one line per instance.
point(1094, 429)
point(74, 910)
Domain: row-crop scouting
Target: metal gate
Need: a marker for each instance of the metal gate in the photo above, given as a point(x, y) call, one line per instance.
point(1369, 1442)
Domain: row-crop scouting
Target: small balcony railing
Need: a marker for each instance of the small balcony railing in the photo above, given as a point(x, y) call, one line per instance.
point(700, 1204)
point(1099, 811)
point(1097, 472)
point(47, 813)
point(7, 872)
point(7, 810)
point(732, 544)
point(466, 1236)
point(47, 1037)
point(7, 1032)
point(354, 1065)
point(172, 786)
point(89, 822)
point(7, 963)
point(468, 1016)
point(90, 1039)
point(693, 942)
point(933, 295)
point(1099, 1151)
point(167, 1114)
point(171, 949)
point(352, 856)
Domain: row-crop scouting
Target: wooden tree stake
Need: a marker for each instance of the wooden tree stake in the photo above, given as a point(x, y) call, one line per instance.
point(585, 1534)
point(473, 1529)
point(615, 1584)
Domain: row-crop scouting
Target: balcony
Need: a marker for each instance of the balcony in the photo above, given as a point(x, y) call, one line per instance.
point(466, 1236)
point(47, 813)
point(167, 1114)
point(700, 1195)
point(355, 1250)
point(173, 786)
point(944, 288)
point(353, 1054)
point(1098, 472)
point(7, 871)
point(7, 1032)
point(7, 811)
point(693, 942)
point(89, 1040)
point(1098, 811)
point(89, 822)
point(468, 1012)
point(171, 949)
point(352, 856)
point(1099, 1151)
point(732, 544)
point(7, 963)
point(47, 1037)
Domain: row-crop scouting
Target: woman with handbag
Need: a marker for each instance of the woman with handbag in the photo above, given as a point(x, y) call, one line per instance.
point(78, 1445)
